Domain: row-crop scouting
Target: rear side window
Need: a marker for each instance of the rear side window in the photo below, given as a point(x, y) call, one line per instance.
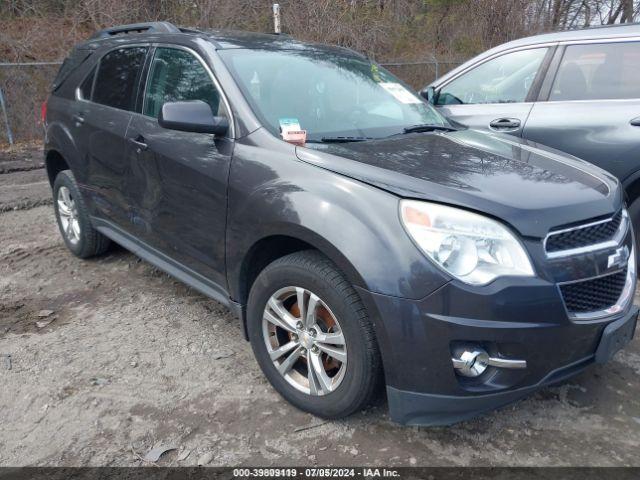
point(598, 72)
point(70, 64)
point(176, 75)
point(505, 79)
point(117, 77)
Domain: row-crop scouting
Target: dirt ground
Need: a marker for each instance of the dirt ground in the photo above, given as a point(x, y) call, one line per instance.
point(128, 359)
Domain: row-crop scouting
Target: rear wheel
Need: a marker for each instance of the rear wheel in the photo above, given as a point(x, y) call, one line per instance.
point(73, 218)
point(311, 336)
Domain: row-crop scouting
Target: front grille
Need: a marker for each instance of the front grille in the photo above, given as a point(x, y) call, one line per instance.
point(585, 236)
point(595, 294)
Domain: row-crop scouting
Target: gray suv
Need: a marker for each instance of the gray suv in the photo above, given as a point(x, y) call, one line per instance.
point(360, 238)
point(577, 91)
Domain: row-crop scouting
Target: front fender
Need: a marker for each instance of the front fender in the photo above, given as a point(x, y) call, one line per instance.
point(356, 225)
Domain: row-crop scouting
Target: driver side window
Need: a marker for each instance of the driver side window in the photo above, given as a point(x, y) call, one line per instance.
point(176, 75)
point(505, 79)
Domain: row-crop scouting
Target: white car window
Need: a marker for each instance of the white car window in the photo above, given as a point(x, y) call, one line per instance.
point(505, 79)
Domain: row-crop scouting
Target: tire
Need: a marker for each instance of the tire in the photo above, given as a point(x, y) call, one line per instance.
point(634, 215)
point(72, 216)
point(353, 383)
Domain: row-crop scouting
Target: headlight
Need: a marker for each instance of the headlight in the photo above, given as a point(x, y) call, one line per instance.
point(471, 247)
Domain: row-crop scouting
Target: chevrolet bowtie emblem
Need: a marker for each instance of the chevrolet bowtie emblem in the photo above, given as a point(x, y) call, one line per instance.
point(618, 259)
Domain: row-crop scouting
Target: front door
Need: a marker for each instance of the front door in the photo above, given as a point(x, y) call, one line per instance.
point(494, 95)
point(179, 179)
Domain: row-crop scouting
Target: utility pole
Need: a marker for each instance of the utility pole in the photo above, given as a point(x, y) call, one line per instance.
point(3, 106)
point(277, 28)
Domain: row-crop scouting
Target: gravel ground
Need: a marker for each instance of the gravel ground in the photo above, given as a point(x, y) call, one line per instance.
point(129, 359)
point(23, 182)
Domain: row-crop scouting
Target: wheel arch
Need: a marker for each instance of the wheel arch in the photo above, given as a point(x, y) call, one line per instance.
point(269, 248)
point(61, 152)
point(54, 164)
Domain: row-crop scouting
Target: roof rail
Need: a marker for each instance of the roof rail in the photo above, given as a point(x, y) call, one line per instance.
point(190, 30)
point(613, 25)
point(147, 27)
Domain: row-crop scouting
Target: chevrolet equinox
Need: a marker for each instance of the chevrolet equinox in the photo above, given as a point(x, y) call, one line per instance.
point(363, 241)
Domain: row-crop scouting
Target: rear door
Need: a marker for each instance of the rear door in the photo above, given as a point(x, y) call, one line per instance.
point(179, 202)
point(102, 117)
point(590, 105)
point(496, 94)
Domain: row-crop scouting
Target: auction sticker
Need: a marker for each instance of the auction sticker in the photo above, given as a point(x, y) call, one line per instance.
point(297, 137)
point(288, 124)
point(291, 132)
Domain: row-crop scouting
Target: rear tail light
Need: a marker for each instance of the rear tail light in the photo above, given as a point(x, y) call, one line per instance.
point(43, 111)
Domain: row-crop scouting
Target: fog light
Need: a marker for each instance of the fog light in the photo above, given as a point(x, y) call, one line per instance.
point(473, 363)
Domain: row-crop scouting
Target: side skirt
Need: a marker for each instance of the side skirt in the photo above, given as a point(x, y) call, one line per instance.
point(163, 262)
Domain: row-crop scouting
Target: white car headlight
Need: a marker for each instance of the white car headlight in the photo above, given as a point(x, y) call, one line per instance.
point(473, 248)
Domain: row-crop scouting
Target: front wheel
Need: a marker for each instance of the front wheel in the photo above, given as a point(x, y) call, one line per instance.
point(311, 336)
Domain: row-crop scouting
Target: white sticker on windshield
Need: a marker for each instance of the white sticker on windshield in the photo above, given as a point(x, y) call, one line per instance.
point(400, 93)
point(287, 124)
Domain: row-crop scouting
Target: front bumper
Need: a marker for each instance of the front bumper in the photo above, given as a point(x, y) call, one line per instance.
point(413, 408)
point(429, 346)
point(525, 321)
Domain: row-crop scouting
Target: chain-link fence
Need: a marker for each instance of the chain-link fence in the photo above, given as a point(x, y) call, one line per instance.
point(24, 86)
point(419, 74)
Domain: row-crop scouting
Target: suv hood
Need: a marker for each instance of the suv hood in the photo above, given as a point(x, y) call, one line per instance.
point(529, 186)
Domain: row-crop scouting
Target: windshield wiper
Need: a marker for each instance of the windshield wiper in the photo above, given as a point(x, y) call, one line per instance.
point(344, 139)
point(428, 127)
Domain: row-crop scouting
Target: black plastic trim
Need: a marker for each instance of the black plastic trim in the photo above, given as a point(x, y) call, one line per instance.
point(538, 81)
point(146, 27)
point(550, 77)
point(427, 409)
point(163, 262)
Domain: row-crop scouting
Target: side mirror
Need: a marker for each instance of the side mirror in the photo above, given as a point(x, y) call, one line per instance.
point(429, 94)
point(192, 116)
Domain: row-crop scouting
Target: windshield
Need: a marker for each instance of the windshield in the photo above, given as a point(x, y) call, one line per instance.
point(326, 93)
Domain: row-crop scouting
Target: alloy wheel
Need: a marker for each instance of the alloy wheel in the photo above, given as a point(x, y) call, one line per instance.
point(68, 213)
point(304, 341)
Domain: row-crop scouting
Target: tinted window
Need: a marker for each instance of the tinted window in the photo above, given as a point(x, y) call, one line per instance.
point(505, 79)
point(598, 71)
point(118, 76)
point(176, 75)
point(70, 64)
point(326, 93)
point(87, 85)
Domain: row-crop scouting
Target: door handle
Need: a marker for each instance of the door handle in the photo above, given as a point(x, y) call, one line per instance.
point(139, 143)
point(635, 122)
point(78, 117)
point(505, 124)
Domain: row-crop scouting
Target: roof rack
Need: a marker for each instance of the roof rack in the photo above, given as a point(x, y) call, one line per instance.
point(147, 27)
